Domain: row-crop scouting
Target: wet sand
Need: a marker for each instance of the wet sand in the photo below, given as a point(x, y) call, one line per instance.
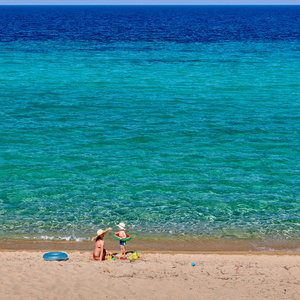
point(159, 244)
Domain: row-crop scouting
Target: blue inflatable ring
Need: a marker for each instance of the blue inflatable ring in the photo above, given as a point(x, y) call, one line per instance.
point(52, 256)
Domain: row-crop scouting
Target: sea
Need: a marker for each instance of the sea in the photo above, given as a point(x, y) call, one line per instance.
point(183, 122)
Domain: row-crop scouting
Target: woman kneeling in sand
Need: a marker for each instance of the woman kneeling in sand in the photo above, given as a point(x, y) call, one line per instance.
point(100, 253)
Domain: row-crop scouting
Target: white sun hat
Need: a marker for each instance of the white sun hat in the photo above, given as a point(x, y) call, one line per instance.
point(121, 225)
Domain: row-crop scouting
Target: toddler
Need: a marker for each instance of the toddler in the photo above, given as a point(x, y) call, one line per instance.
point(122, 235)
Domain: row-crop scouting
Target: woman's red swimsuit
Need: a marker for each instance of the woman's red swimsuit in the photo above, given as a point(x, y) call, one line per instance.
point(96, 257)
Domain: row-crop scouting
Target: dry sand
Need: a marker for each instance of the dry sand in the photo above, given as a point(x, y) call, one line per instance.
point(25, 275)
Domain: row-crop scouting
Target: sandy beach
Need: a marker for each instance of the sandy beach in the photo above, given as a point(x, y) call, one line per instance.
point(25, 275)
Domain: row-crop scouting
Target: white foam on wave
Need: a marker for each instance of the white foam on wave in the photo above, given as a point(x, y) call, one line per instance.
point(57, 238)
point(270, 249)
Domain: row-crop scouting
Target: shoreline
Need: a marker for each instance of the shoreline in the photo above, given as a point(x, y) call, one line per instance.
point(159, 246)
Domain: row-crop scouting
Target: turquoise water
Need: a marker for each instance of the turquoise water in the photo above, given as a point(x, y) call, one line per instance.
point(174, 139)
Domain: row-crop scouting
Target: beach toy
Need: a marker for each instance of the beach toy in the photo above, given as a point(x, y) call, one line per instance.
point(193, 264)
point(55, 256)
point(116, 236)
point(123, 257)
point(135, 255)
point(130, 258)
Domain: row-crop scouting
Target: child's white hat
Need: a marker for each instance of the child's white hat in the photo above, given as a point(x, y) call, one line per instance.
point(121, 225)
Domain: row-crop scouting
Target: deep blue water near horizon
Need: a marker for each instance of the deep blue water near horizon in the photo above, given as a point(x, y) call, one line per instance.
point(177, 120)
